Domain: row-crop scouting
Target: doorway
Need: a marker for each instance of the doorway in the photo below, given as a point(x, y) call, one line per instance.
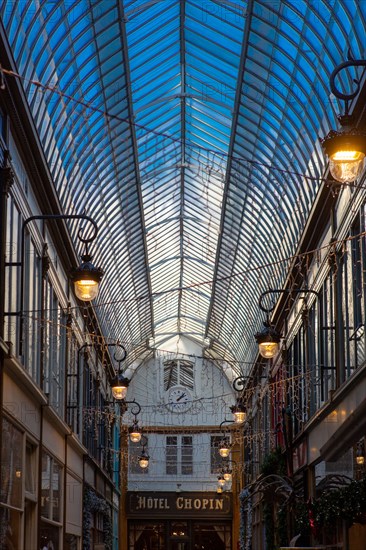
point(179, 535)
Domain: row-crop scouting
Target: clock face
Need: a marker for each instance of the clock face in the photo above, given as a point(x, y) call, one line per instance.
point(179, 399)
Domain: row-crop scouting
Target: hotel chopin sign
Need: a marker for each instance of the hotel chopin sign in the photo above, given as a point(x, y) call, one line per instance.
point(211, 505)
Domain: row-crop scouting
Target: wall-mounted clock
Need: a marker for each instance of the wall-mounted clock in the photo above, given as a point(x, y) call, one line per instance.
point(179, 399)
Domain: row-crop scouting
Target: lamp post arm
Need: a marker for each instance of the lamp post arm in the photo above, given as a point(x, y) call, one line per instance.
point(22, 253)
point(134, 404)
point(239, 382)
point(335, 91)
point(67, 217)
point(118, 345)
point(283, 291)
point(226, 421)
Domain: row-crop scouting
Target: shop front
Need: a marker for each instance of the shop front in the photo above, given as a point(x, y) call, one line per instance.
point(179, 521)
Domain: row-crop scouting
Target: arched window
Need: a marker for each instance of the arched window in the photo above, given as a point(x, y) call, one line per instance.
point(178, 371)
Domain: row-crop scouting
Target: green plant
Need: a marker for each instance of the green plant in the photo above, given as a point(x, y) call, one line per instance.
point(274, 463)
point(94, 504)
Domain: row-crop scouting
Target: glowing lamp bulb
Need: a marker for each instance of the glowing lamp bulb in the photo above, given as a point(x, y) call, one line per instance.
point(119, 392)
point(346, 166)
point(268, 349)
point(240, 417)
point(135, 436)
point(143, 461)
point(86, 289)
point(224, 452)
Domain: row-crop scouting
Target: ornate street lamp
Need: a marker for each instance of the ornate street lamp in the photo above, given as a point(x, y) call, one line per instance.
point(135, 432)
point(224, 445)
point(346, 148)
point(226, 471)
point(269, 339)
point(224, 448)
point(221, 480)
point(239, 411)
point(119, 386)
point(86, 277)
point(360, 454)
point(120, 383)
point(143, 458)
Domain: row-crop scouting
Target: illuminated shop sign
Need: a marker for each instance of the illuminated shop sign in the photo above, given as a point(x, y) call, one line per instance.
point(183, 504)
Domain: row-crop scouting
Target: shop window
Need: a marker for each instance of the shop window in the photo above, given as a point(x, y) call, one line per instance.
point(11, 483)
point(178, 371)
point(55, 344)
point(179, 455)
point(73, 398)
point(146, 535)
point(11, 466)
point(72, 542)
point(50, 496)
point(30, 470)
point(206, 535)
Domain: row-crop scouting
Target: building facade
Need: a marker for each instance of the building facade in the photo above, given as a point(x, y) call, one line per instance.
point(174, 126)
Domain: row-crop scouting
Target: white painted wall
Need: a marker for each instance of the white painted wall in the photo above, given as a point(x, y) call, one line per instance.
point(212, 397)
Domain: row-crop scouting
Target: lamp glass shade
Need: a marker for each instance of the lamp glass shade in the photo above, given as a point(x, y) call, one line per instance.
point(221, 481)
point(119, 391)
point(346, 166)
point(219, 489)
point(143, 461)
point(227, 476)
point(224, 452)
point(268, 349)
point(239, 417)
point(86, 289)
point(360, 459)
point(135, 436)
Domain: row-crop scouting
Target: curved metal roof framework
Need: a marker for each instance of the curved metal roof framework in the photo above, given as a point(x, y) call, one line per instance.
point(189, 131)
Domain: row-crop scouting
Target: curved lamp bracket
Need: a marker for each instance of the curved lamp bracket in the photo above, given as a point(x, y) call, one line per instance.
point(335, 91)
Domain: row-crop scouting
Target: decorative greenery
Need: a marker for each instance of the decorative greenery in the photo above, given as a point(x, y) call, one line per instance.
point(269, 525)
point(274, 463)
point(347, 503)
point(300, 513)
point(94, 504)
point(282, 526)
point(246, 509)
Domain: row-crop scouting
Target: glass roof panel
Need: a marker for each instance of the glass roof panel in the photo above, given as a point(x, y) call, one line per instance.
point(173, 125)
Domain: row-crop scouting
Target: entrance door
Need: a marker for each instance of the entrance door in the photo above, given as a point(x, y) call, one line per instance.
point(179, 536)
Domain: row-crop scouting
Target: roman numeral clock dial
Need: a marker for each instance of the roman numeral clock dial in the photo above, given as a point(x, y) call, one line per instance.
point(179, 399)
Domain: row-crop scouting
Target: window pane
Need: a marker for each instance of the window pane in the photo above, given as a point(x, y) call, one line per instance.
point(56, 492)
point(50, 536)
point(186, 374)
point(46, 486)
point(171, 455)
point(9, 528)
point(30, 468)
point(11, 465)
point(187, 455)
point(170, 374)
point(216, 459)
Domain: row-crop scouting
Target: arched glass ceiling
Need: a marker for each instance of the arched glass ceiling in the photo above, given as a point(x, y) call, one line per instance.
point(187, 130)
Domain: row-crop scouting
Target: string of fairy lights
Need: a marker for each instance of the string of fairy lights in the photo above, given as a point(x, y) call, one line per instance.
point(291, 389)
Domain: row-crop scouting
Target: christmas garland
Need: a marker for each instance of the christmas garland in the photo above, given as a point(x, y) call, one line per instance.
point(246, 509)
point(347, 503)
point(94, 504)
